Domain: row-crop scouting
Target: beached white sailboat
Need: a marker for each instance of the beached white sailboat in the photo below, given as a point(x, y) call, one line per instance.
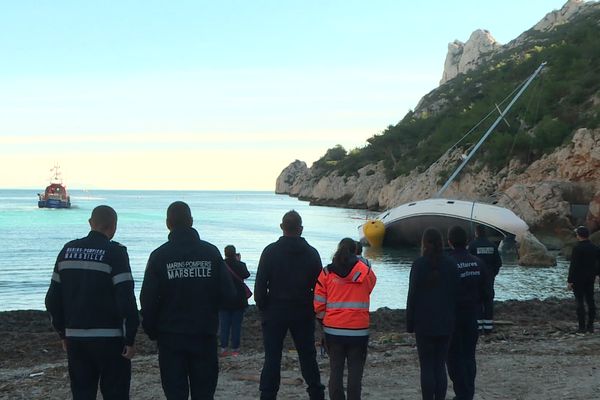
point(404, 224)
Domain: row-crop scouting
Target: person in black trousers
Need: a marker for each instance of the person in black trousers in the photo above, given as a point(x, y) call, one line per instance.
point(231, 314)
point(284, 291)
point(582, 274)
point(342, 298)
point(488, 252)
point(93, 309)
point(185, 283)
point(430, 312)
point(473, 292)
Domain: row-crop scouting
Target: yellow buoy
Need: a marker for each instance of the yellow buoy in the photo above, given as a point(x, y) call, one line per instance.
point(374, 231)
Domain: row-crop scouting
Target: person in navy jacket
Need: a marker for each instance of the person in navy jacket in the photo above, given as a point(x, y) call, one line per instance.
point(487, 251)
point(93, 309)
point(582, 275)
point(284, 292)
point(185, 283)
point(430, 312)
point(473, 291)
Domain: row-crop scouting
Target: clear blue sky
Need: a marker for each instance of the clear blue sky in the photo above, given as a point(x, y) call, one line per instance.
point(219, 94)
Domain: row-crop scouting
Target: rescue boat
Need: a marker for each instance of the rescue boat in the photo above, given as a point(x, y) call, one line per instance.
point(55, 195)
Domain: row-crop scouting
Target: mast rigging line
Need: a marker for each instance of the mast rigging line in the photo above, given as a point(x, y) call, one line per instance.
point(490, 130)
point(492, 111)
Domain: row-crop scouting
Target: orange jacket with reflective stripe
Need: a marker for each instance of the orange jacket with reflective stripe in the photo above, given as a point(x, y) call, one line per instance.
point(343, 302)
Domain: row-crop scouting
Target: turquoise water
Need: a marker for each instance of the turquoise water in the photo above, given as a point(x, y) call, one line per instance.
point(30, 239)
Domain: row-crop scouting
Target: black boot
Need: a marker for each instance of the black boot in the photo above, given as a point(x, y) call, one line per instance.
point(590, 326)
point(581, 320)
point(581, 328)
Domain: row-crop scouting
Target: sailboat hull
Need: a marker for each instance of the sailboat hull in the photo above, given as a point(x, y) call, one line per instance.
point(405, 224)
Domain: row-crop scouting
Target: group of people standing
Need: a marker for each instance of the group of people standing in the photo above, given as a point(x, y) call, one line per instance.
point(446, 297)
point(188, 291)
point(292, 290)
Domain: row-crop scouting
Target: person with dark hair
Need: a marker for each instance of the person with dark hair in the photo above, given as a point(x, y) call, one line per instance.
point(582, 274)
point(185, 283)
point(430, 311)
point(92, 307)
point(284, 290)
point(487, 251)
point(359, 250)
point(341, 303)
point(231, 314)
point(473, 292)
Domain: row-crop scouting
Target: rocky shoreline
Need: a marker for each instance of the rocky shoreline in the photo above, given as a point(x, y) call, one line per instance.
point(532, 354)
point(542, 193)
point(552, 195)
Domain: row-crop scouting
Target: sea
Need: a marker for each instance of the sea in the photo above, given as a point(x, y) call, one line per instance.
point(30, 239)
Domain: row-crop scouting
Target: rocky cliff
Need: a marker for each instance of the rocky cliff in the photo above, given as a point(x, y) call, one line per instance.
point(545, 194)
point(554, 193)
point(559, 17)
point(464, 57)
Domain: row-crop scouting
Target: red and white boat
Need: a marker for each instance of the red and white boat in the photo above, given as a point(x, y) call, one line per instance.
point(55, 195)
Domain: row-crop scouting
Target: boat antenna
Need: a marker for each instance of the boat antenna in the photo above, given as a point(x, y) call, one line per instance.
point(489, 131)
point(56, 174)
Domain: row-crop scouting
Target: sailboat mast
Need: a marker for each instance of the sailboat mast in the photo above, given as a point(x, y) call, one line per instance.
point(489, 131)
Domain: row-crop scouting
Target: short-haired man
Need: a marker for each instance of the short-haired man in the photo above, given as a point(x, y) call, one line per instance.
point(284, 291)
point(93, 309)
point(582, 274)
point(473, 292)
point(487, 251)
point(184, 284)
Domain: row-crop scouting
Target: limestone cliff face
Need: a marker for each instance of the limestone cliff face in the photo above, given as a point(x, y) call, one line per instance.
point(542, 193)
point(559, 17)
point(464, 57)
point(291, 176)
point(579, 161)
point(357, 191)
point(546, 191)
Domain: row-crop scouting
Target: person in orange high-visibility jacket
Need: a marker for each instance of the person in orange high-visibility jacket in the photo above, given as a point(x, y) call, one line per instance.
point(342, 305)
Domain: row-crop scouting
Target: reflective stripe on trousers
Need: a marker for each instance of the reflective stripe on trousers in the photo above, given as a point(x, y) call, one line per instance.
point(346, 332)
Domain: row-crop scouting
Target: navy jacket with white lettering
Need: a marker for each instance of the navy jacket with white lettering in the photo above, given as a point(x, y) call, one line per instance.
point(484, 249)
point(474, 286)
point(185, 283)
point(91, 292)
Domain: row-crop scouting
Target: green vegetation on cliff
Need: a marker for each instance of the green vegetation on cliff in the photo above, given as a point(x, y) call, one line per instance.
point(566, 96)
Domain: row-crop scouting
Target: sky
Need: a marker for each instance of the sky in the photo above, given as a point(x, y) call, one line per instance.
point(217, 95)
